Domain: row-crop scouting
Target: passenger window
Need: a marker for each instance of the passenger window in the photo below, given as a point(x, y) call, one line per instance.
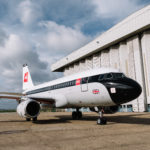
point(73, 82)
point(118, 75)
point(84, 80)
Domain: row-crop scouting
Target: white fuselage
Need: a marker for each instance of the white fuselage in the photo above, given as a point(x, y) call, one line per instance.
point(69, 92)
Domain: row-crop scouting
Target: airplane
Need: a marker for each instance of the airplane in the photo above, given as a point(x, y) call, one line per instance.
point(100, 89)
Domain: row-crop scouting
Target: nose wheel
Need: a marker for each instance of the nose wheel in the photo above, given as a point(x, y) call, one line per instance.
point(34, 119)
point(101, 120)
point(76, 115)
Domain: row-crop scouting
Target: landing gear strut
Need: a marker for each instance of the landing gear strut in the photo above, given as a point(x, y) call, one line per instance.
point(101, 120)
point(76, 114)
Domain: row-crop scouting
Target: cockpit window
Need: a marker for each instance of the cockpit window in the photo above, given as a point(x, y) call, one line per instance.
point(101, 77)
point(118, 75)
point(105, 76)
point(108, 76)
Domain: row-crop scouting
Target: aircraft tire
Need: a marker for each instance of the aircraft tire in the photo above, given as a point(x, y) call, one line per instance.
point(74, 115)
point(34, 119)
point(79, 115)
point(28, 119)
point(101, 121)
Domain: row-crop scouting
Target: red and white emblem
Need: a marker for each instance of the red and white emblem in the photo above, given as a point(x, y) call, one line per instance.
point(26, 77)
point(96, 91)
point(78, 81)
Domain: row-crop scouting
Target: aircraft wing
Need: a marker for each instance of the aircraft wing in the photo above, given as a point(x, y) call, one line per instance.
point(59, 100)
point(18, 96)
point(10, 95)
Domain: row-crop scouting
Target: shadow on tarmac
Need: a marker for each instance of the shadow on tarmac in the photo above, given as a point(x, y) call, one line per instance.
point(53, 121)
point(13, 131)
point(133, 118)
point(128, 119)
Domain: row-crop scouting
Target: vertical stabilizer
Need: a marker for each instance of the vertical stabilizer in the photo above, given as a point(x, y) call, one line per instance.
point(27, 80)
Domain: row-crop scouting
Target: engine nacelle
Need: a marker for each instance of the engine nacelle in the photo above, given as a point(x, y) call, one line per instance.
point(28, 108)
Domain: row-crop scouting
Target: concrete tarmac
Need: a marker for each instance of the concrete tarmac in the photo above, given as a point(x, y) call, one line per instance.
point(57, 131)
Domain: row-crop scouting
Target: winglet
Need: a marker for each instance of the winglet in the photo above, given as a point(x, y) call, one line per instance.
point(27, 80)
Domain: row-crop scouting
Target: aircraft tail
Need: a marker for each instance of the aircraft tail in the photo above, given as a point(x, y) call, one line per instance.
point(27, 80)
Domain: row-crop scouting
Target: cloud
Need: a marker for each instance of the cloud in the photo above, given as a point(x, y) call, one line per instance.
point(59, 40)
point(14, 53)
point(3, 36)
point(39, 53)
point(66, 12)
point(29, 12)
point(117, 9)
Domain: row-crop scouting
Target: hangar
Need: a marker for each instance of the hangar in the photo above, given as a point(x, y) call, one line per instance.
point(126, 46)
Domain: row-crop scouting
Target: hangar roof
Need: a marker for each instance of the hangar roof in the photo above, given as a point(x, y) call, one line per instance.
point(133, 24)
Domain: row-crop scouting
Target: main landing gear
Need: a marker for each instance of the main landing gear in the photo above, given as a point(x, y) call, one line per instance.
point(101, 120)
point(76, 114)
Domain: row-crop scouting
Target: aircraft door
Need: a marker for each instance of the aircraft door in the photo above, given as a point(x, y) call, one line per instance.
point(84, 84)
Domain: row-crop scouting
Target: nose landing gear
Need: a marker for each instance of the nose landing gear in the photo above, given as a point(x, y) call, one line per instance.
point(101, 120)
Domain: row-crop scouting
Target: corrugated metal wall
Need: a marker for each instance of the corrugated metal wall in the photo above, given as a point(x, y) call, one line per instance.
point(114, 57)
point(82, 65)
point(105, 61)
point(89, 62)
point(145, 40)
point(123, 57)
point(96, 60)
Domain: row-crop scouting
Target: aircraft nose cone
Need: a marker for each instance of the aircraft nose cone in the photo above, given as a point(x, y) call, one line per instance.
point(130, 92)
point(137, 89)
point(125, 91)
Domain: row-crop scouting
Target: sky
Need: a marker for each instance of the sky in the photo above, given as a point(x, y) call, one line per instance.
point(40, 32)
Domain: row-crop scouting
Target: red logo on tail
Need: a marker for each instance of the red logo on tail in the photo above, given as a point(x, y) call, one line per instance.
point(26, 77)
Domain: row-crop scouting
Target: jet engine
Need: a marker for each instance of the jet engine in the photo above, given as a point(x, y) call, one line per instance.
point(28, 108)
point(107, 110)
